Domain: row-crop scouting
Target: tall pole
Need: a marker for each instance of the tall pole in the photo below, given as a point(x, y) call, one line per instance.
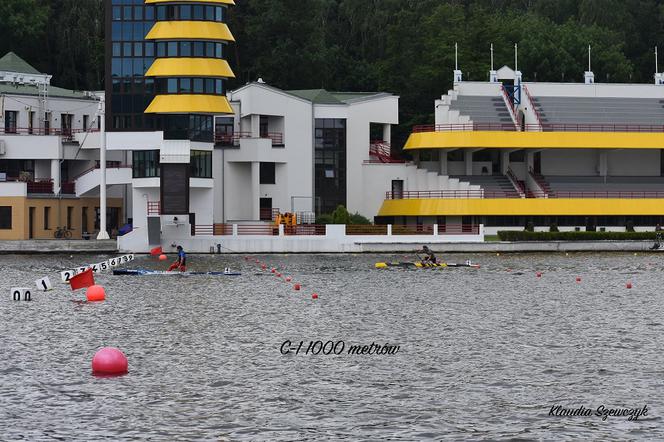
point(589, 59)
point(456, 56)
point(103, 234)
point(656, 66)
point(491, 56)
point(516, 57)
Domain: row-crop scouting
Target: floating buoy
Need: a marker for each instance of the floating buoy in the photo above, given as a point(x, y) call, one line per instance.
point(635, 253)
point(538, 274)
point(628, 285)
point(109, 361)
point(163, 257)
point(95, 293)
point(566, 254)
point(578, 279)
point(263, 267)
point(273, 270)
point(278, 275)
point(497, 254)
point(257, 261)
point(297, 286)
point(288, 279)
point(314, 296)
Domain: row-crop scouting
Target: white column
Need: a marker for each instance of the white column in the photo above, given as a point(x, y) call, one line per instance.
point(442, 161)
point(255, 125)
point(55, 176)
point(255, 190)
point(603, 163)
point(387, 133)
point(103, 234)
point(468, 158)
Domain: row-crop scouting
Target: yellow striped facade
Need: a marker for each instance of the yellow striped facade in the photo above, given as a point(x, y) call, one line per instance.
point(535, 140)
point(176, 67)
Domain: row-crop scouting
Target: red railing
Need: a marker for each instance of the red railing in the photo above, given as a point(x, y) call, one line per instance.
point(510, 105)
point(533, 106)
point(154, 207)
point(65, 133)
point(40, 186)
point(515, 181)
point(458, 229)
point(305, 230)
point(543, 185)
point(213, 229)
point(234, 138)
point(381, 152)
point(413, 229)
point(366, 229)
point(463, 194)
point(68, 188)
point(268, 213)
point(258, 229)
point(451, 194)
point(546, 127)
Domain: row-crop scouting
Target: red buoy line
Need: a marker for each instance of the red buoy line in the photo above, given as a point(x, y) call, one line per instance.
point(275, 270)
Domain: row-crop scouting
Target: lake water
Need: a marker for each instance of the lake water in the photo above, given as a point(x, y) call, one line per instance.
point(483, 353)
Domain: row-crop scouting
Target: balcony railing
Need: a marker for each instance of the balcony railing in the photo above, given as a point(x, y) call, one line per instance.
point(234, 138)
point(544, 127)
point(68, 188)
point(154, 207)
point(473, 194)
point(66, 134)
point(40, 186)
point(381, 152)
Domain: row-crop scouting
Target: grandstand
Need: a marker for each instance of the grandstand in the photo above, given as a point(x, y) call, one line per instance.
point(580, 155)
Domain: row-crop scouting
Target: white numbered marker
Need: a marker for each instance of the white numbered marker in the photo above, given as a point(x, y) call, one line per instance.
point(66, 275)
point(23, 293)
point(130, 257)
point(103, 266)
point(82, 269)
point(44, 284)
point(95, 268)
point(113, 262)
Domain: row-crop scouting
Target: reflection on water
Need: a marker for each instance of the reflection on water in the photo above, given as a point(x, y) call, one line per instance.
point(484, 354)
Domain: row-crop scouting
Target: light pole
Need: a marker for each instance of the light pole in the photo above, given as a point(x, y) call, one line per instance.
point(103, 234)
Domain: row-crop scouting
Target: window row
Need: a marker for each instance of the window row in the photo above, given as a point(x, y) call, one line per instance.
point(146, 164)
point(190, 12)
point(129, 13)
point(203, 49)
point(130, 31)
point(130, 67)
point(11, 126)
point(186, 85)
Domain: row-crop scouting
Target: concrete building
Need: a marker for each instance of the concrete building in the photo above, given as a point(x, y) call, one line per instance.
point(47, 157)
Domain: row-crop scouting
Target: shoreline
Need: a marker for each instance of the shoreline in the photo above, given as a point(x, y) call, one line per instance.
point(110, 246)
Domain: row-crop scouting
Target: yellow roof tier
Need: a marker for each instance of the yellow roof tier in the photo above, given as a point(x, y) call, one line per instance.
point(535, 140)
point(189, 104)
point(189, 30)
point(522, 206)
point(220, 2)
point(190, 67)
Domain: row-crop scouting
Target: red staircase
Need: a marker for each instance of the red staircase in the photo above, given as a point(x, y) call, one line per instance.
point(381, 152)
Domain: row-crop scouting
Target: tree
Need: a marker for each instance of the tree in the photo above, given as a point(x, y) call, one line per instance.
point(340, 215)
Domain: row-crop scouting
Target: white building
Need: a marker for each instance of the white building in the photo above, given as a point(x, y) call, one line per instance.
point(48, 157)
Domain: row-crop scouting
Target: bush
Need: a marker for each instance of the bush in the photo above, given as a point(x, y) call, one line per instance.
point(340, 215)
point(518, 235)
point(530, 227)
point(356, 218)
point(324, 218)
point(553, 228)
point(629, 226)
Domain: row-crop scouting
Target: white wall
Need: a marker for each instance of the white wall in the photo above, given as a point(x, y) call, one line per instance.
point(238, 194)
point(570, 162)
point(634, 162)
point(596, 90)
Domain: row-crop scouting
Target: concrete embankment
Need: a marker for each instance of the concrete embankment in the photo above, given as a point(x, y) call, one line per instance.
point(529, 246)
point(59, 246)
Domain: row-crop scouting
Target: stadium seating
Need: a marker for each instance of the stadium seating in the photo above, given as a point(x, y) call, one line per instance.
point(482, 109)
point(492, 184)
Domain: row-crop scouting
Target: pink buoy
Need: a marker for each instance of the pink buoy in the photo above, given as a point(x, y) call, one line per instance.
point(297, 286)
point(314, 296)
point(628, 285)
point(578, 279)
point(538, 274)
point(95, 293)
point(163, 257)
point(288, 279)
point(109, 361)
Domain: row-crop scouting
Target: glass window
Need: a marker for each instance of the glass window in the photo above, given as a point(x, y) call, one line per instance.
point(126, 49)
point(5, 217)
point(218, 50)
point(171, 12)
point(117, 13)
point(209, 13)
point(149, 12)
point(149, 86)
point(161, 12)
point(126, 31)
point(198, 86)
point(185, 85)
point(127, 67)
point(218, 87)
point(198, 12)
point(149, 49)
point(172, 48)
point(267, 173)
point(161, 49)
point(209, 85)
point(185, 49)
point(199, 49)
point(138, 49)
point(172, 86)
point(138, 12)
point(138, 66)
point(117, 50)
point(185, 12)
point(127, 13)
point(138, 31)
point(209, 49)
point(145, 163)
point(201, 163)
point(116, 31)
point(218, 14)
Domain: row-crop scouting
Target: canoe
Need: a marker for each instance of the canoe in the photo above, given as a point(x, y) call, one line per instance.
point(145, 272)
point(420, 264)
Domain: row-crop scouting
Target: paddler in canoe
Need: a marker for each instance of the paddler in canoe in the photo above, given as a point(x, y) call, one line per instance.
point(429, 257)
point(181, 262)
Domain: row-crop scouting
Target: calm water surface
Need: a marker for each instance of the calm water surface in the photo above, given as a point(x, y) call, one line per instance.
point(484, 354)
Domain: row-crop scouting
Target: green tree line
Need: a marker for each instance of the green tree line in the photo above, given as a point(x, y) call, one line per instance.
point(401, 46)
